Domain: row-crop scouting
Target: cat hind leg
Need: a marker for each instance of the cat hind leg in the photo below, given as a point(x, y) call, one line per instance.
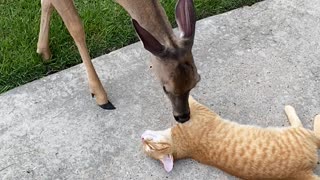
point(308, 175)
point(292, 116)
point(312, 177)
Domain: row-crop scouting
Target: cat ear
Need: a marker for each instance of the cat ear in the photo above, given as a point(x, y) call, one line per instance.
point(191, 99)
point(167, 162)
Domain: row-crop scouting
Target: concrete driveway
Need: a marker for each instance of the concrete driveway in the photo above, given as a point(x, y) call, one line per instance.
point(253, 61)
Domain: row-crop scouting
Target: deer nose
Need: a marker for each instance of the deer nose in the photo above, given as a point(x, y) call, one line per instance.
point(182, 118)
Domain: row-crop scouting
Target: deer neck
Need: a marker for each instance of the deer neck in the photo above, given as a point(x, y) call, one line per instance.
point(152, 17)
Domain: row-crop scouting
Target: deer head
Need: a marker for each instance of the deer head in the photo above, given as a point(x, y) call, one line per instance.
point(174, 65)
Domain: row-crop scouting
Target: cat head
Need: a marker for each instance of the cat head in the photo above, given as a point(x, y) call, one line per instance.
point(158, 145)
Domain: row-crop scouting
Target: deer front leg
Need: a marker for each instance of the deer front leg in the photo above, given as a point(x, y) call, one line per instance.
point(71, 19)
point(43, 41)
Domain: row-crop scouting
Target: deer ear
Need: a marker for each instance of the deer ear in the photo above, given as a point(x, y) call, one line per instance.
point(186, 18)
point(150, 43)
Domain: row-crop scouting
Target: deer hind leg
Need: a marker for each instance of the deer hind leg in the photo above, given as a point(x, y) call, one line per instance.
point(292, 116)
point(70, 16)
point(43, 41)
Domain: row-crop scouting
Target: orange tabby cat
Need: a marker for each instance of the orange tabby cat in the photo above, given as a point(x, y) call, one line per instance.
point(247, 152)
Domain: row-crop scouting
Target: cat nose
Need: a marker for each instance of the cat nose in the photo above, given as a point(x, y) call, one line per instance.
point(182, 118)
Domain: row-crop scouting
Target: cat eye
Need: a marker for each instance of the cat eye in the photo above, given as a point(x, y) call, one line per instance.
point(150, 146)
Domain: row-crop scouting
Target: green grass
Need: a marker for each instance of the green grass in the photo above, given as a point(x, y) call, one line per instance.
point(107, 27)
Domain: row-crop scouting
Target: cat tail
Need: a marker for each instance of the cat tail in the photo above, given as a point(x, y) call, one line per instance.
point(292, 116)
point(316, 128)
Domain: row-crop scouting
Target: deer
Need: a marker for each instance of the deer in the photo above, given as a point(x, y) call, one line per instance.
point(171, 56)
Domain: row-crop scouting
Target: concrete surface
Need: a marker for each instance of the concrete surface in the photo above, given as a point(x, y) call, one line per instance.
point(253, 61)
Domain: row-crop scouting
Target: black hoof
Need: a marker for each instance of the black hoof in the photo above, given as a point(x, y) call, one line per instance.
point(108, 106)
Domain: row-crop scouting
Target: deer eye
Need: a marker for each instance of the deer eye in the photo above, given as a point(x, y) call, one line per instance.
point(164, 89)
